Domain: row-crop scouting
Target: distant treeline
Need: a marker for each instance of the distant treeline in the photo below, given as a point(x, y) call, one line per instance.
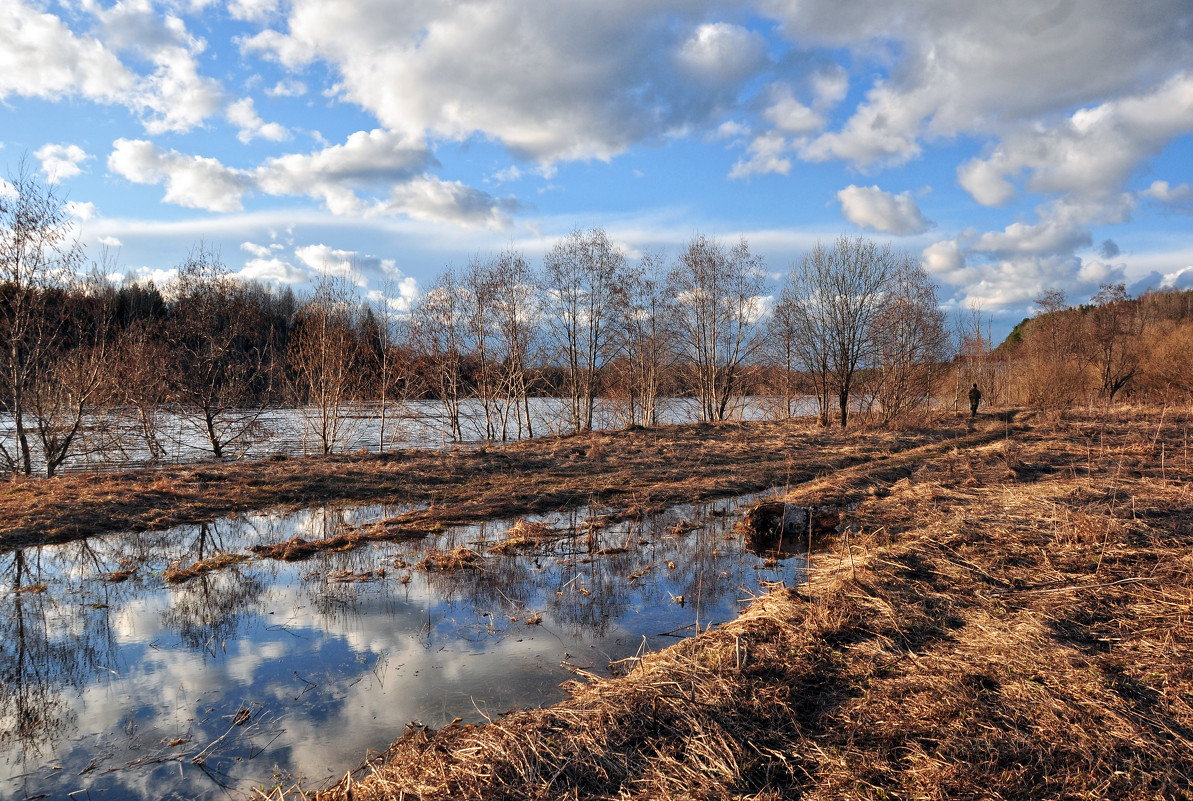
point(1113, 347)
point(86, 366)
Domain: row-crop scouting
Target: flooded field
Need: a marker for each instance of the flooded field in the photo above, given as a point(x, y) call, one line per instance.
point(118, 683)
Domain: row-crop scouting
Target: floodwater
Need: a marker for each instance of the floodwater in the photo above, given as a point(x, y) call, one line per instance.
point(264, 672)
point(114, 441)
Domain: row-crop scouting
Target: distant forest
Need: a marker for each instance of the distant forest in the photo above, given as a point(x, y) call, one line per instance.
point(857, 328)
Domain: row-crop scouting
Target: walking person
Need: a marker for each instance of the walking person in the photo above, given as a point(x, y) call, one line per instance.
point(975, 397)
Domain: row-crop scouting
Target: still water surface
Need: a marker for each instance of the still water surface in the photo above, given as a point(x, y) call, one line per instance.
point(267, 671)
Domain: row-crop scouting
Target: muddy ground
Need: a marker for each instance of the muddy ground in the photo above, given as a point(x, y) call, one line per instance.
point(1004, 617)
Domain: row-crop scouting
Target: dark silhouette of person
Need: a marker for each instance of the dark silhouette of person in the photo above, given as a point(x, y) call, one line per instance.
point(975, 397)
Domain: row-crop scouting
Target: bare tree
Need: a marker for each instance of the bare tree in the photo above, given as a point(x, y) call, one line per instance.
point(644, 341)
point(389, 335)
point(440, 333)
point(514, 302)
point(222, 359)
point(37, 252)
point(910, 340)
point(837, 295)
point(1113, 338)
point(325, 362)
point(581, 275)
point(72, 382)
point(718, 308)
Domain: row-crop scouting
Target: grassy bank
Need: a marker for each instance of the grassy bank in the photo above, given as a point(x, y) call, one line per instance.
point(1008, 618)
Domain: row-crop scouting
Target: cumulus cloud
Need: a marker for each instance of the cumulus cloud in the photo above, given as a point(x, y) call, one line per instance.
point(374, 173)
point(243, 114)
point(254, 10)
point(273, 271)
point(59, 162)
point(723, 53)
point(550, 81)
point(287, 88)
point(766, 154)
point(368, 160)
point(191, 181)
point(41, 57)
point(870, 207)
point(1090, 154)
point(80, 211)
point(991, 68)
point(1177, 198)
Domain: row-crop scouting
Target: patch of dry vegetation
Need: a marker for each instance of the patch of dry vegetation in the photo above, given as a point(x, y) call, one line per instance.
point(1007, 619)
point(646, 469)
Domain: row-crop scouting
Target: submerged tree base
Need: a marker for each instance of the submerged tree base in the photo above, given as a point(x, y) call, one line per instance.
point(1008, 619)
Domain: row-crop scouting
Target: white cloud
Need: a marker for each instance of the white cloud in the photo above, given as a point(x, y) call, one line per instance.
point(1090, 154)
point(80, 211)
point(984, 68)
point(722, 53)
point(174, 97)
point(433, 200)
point(374, 173)
point(367, 161)
point(41, 57)
point(766, 154)
point(260, 251)
point(272, 270)
point(191, 181)
point(790, 116)
point(945, 261)
point(287, 88)
point(243, 115)
point(325, 259)
point(1178, 279)
point(870, 207)
point(254, 10)
point(1179, 196)
point(550, 81)
point(400, 297)
point(1047, 237)
point(110, 242)
point(60, 161)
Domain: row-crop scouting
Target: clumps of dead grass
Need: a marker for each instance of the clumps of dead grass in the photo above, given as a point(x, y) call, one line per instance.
point(459, 558)
point(176, 573)
point(522, 535)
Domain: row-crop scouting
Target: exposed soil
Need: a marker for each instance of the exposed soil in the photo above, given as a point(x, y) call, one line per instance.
point(640, 470)
point(1005, 617)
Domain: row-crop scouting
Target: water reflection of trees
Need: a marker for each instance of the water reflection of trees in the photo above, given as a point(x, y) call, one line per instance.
point(584, 591)
point(208, 608)
point(48, 646)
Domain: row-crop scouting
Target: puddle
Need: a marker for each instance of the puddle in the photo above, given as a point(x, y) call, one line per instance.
point(115, 683)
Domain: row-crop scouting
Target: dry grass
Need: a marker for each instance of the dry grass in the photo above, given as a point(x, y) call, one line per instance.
point(1001, 620)
point(459, 558)
point(177, 573)
point(524, 534)
point(639, 470)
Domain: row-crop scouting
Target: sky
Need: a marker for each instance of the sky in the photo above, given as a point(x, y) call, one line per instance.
point(1012, 147)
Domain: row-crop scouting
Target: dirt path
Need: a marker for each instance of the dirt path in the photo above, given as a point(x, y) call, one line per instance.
point(643, 468)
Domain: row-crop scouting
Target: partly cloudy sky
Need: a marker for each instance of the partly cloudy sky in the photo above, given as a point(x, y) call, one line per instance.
point(1013, 146)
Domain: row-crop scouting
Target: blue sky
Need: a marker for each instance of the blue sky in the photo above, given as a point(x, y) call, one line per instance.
point(1013, 146)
